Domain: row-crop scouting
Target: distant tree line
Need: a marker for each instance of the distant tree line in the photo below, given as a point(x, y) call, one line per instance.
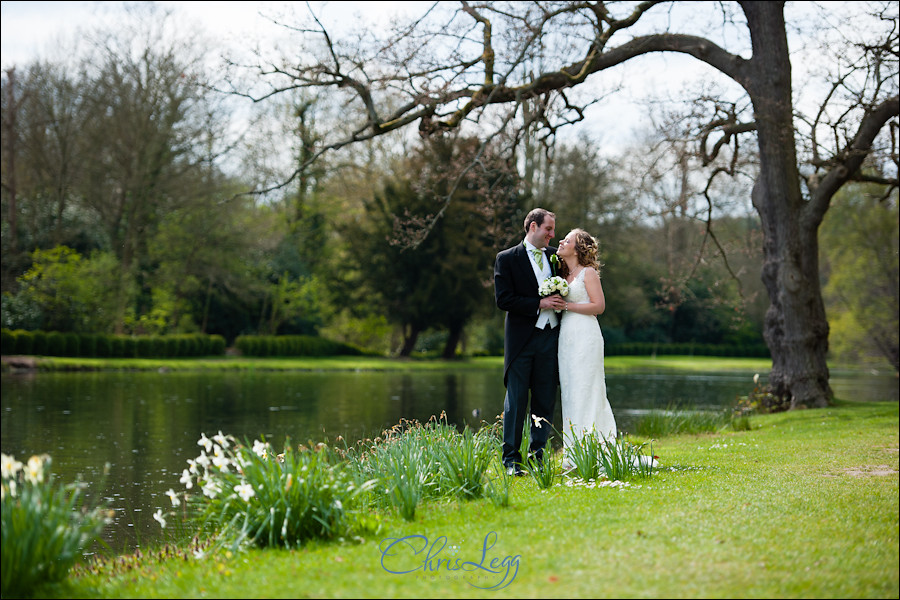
point(126, 211)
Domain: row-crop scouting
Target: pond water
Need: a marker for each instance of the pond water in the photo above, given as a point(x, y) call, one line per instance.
point(146, 425)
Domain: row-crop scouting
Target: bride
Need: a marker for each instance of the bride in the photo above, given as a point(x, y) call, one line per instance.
point(582, 379)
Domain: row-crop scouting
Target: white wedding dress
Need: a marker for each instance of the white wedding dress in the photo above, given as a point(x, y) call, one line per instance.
point(582, 379)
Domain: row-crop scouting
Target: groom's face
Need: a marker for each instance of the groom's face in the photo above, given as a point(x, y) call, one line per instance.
point(540, 235)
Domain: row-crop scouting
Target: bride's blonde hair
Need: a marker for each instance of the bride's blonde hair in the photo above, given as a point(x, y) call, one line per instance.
point(587, 250)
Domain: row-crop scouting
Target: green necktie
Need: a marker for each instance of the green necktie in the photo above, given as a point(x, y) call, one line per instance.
point(539, 257)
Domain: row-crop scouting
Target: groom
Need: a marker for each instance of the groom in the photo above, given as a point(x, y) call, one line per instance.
point(531, 337)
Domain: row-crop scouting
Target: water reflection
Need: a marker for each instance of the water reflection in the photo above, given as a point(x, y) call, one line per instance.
point(146, 425)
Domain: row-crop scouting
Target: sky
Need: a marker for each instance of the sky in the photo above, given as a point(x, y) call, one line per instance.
point(40, 29)
point(35, 28)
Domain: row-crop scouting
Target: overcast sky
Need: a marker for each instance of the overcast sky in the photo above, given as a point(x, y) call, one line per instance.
point(31, 29)
point(40, 29)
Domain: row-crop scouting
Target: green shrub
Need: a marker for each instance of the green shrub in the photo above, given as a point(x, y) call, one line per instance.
point(24, 342)
point(88, 345)
point(8, 342)
point(103, 347)
point(71, 344)
point(55, 344)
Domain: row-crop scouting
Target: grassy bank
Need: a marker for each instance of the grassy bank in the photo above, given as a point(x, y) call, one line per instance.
point(804, 505)
point(367, 363)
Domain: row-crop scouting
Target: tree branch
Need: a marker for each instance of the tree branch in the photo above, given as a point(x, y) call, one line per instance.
point(846, 164)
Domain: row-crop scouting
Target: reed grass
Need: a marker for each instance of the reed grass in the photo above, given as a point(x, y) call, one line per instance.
point(675, 420)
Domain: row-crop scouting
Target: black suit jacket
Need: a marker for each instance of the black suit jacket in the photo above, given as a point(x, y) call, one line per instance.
point(516, 292)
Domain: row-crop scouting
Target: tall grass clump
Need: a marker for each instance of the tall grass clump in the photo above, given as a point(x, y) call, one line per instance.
point(45, 527)
point(543, 471)
point(677, 420)
point(412, 462)
point(249, 494)
point(583, 453)
point(591, 456)
point(621, 460)
point(465, 462)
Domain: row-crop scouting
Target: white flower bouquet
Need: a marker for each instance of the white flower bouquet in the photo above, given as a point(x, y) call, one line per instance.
point(554, 285)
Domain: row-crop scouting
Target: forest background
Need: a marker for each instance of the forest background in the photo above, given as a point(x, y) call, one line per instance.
point(140, 195)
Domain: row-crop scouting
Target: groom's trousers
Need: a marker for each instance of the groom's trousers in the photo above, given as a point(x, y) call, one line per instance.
point(534, 370)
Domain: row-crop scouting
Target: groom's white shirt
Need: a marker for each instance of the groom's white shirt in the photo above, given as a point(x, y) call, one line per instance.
point(547, 315)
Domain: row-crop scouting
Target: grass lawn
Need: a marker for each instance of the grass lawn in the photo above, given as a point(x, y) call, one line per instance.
point(378, 363)
point(804, 505)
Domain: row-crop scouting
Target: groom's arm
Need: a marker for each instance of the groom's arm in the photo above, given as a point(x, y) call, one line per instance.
point(509, 297)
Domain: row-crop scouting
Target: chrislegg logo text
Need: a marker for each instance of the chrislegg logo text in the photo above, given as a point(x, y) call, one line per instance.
point(417, 555)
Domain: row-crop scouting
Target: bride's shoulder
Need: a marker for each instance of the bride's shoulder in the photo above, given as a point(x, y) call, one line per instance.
point(590, 273)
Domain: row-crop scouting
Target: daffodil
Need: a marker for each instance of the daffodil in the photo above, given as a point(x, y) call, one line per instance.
point(220, 439)
point(186, 479)
point(10, 466)
point(34, 470)
point(261, 449)
point(158, 515)
point(210, 489)
point(219, 459)
point(203, 459)
point(205, 442)
point(245, 491)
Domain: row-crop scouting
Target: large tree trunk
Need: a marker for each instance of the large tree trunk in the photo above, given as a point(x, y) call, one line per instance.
point(455, 332)
point(796, 329)
point(410, 335)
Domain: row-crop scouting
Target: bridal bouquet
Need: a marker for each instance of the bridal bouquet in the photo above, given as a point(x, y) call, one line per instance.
point(554, 285)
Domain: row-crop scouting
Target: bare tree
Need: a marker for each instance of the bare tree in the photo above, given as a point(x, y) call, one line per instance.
point(460, 68)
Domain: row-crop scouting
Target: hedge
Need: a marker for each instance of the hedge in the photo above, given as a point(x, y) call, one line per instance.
point(54, 343)
point(292, 345)
point(688, 349)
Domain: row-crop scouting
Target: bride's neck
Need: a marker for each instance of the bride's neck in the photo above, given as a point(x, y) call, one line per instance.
point(572, 264)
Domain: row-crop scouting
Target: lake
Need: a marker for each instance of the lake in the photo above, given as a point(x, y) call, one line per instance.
point(146, 424)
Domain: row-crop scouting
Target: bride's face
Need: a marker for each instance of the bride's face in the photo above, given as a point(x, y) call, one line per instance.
point(567, 246)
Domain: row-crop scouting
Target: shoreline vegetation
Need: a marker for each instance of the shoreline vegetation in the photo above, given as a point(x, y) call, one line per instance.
point(359, 363)
point(798, 504)
point(31, 364)
point(804, 504)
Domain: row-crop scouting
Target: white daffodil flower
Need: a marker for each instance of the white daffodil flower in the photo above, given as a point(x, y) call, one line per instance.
point(158, 515)
point(245, 491)
point(186, 479)
point(205, 442)
point(210, 489)
point(220, 439)
point(34, 470)
point(203, 460)
point(261, 449)
point(10, 466)
point(219, 459)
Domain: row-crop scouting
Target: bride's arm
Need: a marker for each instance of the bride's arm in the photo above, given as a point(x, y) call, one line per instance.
point(595, 291)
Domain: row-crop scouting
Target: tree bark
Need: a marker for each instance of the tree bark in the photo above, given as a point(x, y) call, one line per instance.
point(9, 137)
point(410, 336)
point(454, 335)
point(796, 328)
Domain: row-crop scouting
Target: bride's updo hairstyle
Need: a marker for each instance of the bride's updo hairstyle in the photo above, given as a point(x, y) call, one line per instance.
point(587, 249)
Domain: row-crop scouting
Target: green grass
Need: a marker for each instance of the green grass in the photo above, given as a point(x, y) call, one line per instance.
point(375, 363)
point(803, 505)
